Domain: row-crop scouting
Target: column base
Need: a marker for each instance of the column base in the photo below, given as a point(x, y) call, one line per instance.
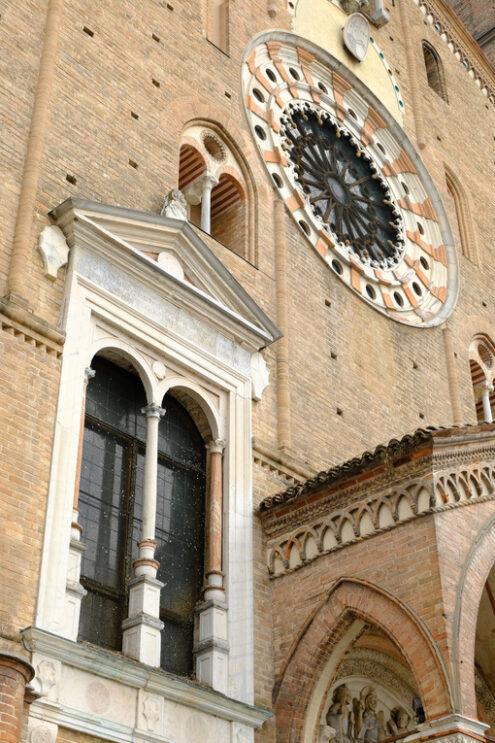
point(212, 649)
point(142, 630)
point(214, 590)
point(212, 665)
point(74, 592)
point(141, 640)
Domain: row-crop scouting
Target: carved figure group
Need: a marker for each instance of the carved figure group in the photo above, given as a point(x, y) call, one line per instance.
point(357, 720)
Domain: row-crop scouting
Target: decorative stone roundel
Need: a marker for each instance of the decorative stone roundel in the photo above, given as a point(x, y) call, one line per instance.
point(351, 179)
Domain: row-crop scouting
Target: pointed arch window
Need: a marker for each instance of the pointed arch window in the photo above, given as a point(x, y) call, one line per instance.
point(467, 236)
point(111, 505)
point(218, 24)
point(434, 71)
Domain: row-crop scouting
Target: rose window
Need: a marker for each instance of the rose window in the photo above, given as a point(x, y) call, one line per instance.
point(342, 187)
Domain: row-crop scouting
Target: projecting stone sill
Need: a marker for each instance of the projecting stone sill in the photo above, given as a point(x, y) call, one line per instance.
point(116, 668)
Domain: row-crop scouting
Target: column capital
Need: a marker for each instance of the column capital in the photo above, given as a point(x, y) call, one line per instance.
point(89, 373)
point(153, 410)
point(486, 385)
point(208, 181)
point(216, 446)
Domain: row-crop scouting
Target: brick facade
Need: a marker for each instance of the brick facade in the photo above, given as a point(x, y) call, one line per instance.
point(107, 115)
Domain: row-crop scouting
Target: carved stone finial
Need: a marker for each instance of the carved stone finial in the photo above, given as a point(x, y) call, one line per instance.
point(175, 205)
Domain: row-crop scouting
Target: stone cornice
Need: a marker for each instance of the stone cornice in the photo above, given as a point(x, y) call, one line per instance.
point(425, 473)
point(282, 463)
point(384, 459)
point(20, 322)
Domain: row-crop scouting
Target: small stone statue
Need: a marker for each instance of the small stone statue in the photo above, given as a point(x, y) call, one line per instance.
point(399, 721)
point(354, 6)
point(175, 205)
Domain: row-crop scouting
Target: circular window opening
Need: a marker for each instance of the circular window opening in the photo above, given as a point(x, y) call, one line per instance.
point(305, 227)
point(405, 187)
point(294, 73)
point(381, 148)
point(213, 146)
point(260, 132)
point(416, 288)
point(420, 228)
point(323, 88)
point(271, 75)
point(398, 299)
point(424, 263)
point(370, 291)
point(352, 113)
point(337, 267)
point(258, 95)
point(277, 179)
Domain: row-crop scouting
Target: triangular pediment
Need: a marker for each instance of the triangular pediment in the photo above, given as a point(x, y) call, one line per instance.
point(176, 257)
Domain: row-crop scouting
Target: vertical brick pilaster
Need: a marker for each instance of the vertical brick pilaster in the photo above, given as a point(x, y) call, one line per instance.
point(15, 673)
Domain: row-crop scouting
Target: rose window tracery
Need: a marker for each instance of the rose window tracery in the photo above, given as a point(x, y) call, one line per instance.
point(343, 187)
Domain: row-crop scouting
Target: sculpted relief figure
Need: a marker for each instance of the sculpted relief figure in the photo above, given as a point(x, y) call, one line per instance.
point(340, 715)
point(369, 723)
point(326, 734)
point(399, 721)
point(358, 720)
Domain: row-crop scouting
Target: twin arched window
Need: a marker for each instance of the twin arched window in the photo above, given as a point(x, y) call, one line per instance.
point(215, 183)
point(111, 501)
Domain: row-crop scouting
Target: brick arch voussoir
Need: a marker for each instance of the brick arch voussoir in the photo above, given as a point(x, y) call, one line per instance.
point(348, 600)
point(476, 569)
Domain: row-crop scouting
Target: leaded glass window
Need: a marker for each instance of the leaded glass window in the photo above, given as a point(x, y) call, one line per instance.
point(110, 502)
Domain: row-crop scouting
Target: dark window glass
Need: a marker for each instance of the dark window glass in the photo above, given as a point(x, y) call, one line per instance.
point(110, 502)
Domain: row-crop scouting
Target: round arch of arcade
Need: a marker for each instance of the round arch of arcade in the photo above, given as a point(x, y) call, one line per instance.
point(315, 654)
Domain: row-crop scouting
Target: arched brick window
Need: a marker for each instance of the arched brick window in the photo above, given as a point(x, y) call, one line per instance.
point(482, 368)
point(216, 186)
point(434, 71)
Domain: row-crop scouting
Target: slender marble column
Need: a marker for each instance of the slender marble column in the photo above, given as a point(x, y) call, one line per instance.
point(74, 592)
point(213, 562)
point(88, 374)
point(141, 630)
point(212, 649)
point(146, 564)
point(485, 396)
point(208, 182)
